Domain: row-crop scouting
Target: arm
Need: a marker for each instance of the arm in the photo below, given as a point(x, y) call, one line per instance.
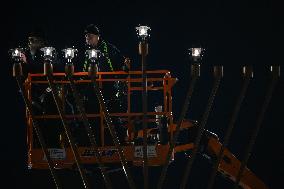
point(120, 62)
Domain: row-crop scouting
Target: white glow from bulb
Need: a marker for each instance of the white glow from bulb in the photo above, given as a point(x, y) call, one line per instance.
point(143, 31)
point(68, 52)
point(17, 52)
point(48, 51)
point(93, 54)
point(196, 52)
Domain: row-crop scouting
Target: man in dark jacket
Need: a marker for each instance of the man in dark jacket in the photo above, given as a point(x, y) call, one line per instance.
point(111, 59)
point(41, 97)
point(32, 56)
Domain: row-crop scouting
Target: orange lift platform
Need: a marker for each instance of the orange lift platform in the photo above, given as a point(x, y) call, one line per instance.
point(161, 84)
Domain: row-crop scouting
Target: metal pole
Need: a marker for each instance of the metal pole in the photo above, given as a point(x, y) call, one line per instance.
point(195, 73)
point(92, 75)
point(218, 74)
point(275, 70)
point(69, 70)
point(17, 73)
point(143, 51)
point(248, 75)
point(48, 72)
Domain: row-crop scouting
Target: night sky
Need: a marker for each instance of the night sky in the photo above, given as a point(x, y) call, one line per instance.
point(233, 33)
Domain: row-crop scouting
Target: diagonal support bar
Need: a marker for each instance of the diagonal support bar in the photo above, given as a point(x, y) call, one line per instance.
point(74, 149)
point(248, 75)
point(218, 74)
point(69, 70)
point(92, 75)
point(195, 73)
point(275, 70)
point(17, 73)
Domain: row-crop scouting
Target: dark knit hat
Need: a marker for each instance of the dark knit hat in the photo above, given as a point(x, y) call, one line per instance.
point(37, 32)
point(92, 29)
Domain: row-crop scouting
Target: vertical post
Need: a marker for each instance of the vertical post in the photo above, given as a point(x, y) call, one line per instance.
point(28, 89)
point(129, 118)
point(102, 123)
point(248, 75)
point(165, 92)
point(275, 71)
point(143, 51)
point(218, 74)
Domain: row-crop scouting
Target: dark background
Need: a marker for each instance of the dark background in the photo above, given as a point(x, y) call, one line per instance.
point(233, 33)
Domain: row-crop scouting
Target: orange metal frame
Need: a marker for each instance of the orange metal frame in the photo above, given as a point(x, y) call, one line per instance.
point(229, 165)
point(163, 82)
